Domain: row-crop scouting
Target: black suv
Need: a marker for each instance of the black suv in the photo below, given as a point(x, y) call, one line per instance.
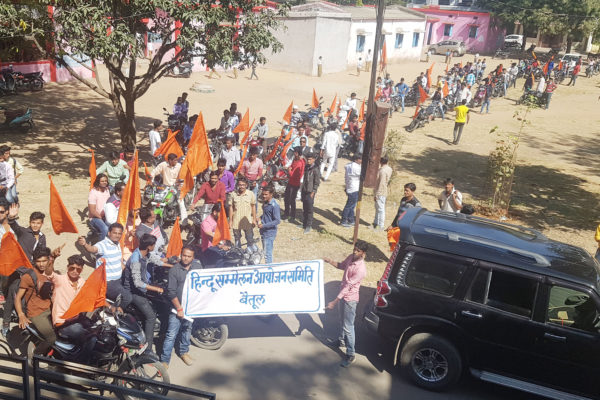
point(505, 303)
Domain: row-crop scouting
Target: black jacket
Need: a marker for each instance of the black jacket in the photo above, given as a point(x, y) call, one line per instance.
point(312, 179)
point(177, 276)
point(27, 239)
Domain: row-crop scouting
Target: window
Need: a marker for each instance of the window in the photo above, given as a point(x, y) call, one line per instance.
point(415, 42)
point(399, 40)
point(434, 273)
point(360, 43)
point(448, 29)
point(572, 308)
point(504, 291)
point(473, 31)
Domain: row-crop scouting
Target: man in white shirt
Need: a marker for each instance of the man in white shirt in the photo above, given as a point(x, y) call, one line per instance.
point(352, 181)
point(154, 137)
point(514, 71)
point(168, 170)
point(351, 102)
point(296, 116)
point(231, 155)
point(541, 84)
point(329, 149)
point(464, 94)
point(369, 59)
point(7, 178)
point(111, 207)
point(450, 199)
point(262, 129)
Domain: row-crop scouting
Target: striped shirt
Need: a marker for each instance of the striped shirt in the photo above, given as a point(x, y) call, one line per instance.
point(111, 252)
point(242, 209)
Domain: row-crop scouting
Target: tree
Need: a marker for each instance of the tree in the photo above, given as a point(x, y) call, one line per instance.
point(112, 32)
point(575, 19)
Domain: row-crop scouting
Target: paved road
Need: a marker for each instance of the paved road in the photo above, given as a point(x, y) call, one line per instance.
point(268, 360)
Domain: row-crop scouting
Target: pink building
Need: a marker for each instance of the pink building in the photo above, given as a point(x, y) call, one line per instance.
point(472, 27)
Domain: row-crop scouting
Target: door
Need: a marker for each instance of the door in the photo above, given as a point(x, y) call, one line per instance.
point(496, 313)
point(430, 33)
point(569, 341)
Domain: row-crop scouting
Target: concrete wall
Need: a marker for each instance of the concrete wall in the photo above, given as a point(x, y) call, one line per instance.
point(390, 28)
point(488, 38)
point(331, 42)
point(298, 47)
point(50, 71)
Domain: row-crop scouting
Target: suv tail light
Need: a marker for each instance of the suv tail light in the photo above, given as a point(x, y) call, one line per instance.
point(383, 287)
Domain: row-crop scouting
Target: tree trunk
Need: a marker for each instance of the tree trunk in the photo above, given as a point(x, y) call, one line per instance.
point(569, 43)
point(127, 124)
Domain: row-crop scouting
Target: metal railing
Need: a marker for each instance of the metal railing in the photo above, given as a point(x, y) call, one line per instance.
point(17, 368)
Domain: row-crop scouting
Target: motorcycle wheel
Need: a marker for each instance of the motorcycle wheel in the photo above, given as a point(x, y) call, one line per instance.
point(209, 335)
point(412, 126)
point(154, 371)
point(37, 85)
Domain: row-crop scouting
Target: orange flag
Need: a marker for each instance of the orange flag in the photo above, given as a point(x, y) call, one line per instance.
point(275, 147)
point(198, 157)
point(393, 236)
point(315, 100)
point(422, 95)
point(445, 90)
point(461, 64)
point(429, 75)
point(175, 242)
point(243, 125)
point(61, 220)
point(169, 146)
point(416, 110)
point(285, 149)
point(383, 62)
point(131, 198)
point(346, 120)
point(446, 68)
point(92, 169)
point(287, 117)
point(92, 294)
point(12, 255)
point(222, 230)
point(378, 94)
point(332, 108)
point(361, 112)
point(362, 131)
point(147, 173)
point(560, 65)
point(289, 134)
point(533, 55)
point(242, 159)
point(243, 141)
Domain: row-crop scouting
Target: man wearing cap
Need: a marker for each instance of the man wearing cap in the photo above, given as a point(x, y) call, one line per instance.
point(296, 117)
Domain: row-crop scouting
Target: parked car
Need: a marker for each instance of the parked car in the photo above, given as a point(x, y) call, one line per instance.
point(513, 41)
point(463, 294)
point(567, 58)
point(456, 48)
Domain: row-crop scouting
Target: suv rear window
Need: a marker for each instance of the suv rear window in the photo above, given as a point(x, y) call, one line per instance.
point(434, 273)
point(504, 291)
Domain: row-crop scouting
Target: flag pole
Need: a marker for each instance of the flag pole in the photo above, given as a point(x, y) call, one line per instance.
point(370, 114)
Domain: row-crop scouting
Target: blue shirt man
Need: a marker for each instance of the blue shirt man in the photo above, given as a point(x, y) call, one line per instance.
point(268, 222)
point(402, 90)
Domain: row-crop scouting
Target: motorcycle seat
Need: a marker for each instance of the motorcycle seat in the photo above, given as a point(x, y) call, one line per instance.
point(64, 346)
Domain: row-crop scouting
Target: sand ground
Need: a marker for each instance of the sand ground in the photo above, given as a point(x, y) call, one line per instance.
point(556, 186)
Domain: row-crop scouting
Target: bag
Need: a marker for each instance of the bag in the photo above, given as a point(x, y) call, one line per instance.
point(44, 290)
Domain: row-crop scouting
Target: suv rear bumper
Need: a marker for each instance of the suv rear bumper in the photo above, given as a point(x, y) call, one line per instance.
point(371, 320)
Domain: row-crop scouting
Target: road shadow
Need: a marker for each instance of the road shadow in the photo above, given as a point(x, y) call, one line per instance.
point(541, 196)
point(86, 122)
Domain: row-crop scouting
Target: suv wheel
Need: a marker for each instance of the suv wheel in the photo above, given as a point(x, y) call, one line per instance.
point(455, 53)
point(431, 362)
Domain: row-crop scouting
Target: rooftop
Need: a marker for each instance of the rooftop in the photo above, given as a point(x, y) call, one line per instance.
point(325, 8)
point(499, 243)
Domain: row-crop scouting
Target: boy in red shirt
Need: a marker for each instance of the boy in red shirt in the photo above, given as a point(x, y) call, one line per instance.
point(296, 171)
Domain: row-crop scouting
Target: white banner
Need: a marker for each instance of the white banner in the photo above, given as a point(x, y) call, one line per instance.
point(293, 287)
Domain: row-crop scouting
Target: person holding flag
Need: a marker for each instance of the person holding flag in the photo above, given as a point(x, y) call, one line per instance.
point(110, 249)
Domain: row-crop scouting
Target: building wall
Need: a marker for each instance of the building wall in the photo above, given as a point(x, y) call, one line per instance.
point(51, 72)
point(488, 38)
point(298, 47)
point(391, 28)
point(331, 42)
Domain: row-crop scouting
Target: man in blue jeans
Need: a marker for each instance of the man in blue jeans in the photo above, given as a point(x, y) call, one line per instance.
point(403, 90)
point(268, 222)
point(180, 328)
point(352, 180)
point(355, 271)
point(486, 98)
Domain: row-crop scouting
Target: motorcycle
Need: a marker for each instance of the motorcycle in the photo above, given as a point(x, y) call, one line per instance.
point(108, 341)
point(423, 116)
point(533, 98)
point(314, 116)
point(18, 119)
point(277, 176)
point(164, 200)
point(479, 96)
point(8, 83)
point(24, 81)
point(183, 70)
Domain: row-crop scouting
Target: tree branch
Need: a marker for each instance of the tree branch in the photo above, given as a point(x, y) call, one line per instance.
point(95, 88)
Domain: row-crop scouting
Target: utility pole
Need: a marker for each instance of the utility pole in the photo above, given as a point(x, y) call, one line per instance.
point(371, 113)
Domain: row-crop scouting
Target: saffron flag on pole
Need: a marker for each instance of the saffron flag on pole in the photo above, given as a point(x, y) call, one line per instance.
point(12, 255)
point(243, 141)
point(361, 112)
point(222, 230)
point(92, 294)
point(315, 100)
point(131, 198)
point(445, 89)
point(422, 95)
point(169, 146)
point(289, 134)
point(285, 149)
point(275, 147)
point(59, 216)
point(198, 157)
point(175, 242)
point(429, 75)
point(242, 159)
point(92, 169)
point(287, 117)
point(244, 123)
point(331, 110)
point(147, 173)
point(383, 62)
point(446, 68)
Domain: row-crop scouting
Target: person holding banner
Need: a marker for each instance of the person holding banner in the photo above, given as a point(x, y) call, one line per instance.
point(179, 328)
point(355, 270)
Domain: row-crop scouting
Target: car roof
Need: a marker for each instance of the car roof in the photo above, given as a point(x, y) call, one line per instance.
point(498, 242)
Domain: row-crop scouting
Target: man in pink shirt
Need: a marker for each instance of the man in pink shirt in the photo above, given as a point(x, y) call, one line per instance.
point(66, 287)
point(208, 227)
point(355, 271)
point(252, 170)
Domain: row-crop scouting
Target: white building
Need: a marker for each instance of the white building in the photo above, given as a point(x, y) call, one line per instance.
point(342, 34)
